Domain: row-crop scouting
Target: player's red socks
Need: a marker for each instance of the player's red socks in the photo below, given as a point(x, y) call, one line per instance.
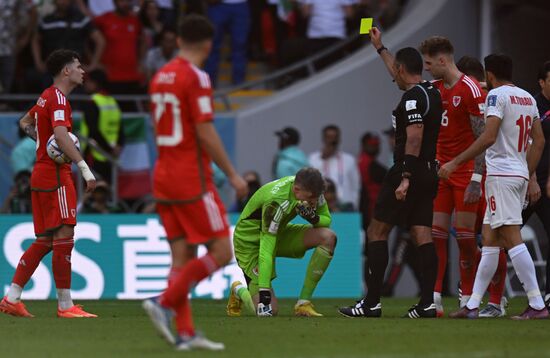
point(496, 287)
point(192, 273)
point(30, 260)
point(61, 262)
point(184, 319)
point(174, 271)
point(468, 250)
point(440, 238)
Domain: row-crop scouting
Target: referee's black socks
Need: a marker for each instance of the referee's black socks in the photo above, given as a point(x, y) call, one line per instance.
point(378, 261)
point(427, 259)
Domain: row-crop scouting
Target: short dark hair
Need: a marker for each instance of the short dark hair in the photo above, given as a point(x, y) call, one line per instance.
point(543, 71)
point(330, 127)
point(195, 29)
point(499, 65)
point(99, 77)
point(437, 45)
point(471, 66)
point(411, 59)
point(310, 179)
point(58, 59)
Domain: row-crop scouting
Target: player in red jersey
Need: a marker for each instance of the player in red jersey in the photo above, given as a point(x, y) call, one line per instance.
point(187, 201)
point(462, 122)
point(53, 191)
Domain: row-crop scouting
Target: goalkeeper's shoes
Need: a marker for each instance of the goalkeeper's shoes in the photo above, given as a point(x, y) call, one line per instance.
point(360, 309)
point(465, 312)
point(198, 341)
point(15, 309)
point(305, 309)
point(75, 311)
point(492, 311)
point(234, 303)
point(161, 318)
point(418, 311)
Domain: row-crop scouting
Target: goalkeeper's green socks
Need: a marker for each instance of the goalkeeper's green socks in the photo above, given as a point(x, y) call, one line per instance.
point(315, 270)
point(244, 295)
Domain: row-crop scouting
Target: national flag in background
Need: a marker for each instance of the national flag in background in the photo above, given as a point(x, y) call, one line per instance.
point(134, 177)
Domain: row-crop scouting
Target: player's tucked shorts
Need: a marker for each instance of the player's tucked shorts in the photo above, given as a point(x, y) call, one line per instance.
point(505, 197)
point(51, 209)
point(417, 208)
point(290, 243)
point(450, 195)
point(197, 222)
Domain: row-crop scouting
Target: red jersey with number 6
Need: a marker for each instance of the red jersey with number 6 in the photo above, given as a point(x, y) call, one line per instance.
point(464, 99)
point(181, 97)
point(51, 110)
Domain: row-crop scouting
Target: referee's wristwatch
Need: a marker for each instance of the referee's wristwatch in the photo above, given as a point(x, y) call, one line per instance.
point(379, 50)
point(406, 175)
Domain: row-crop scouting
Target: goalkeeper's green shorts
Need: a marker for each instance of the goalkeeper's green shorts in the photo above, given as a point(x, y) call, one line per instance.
point(290, 243)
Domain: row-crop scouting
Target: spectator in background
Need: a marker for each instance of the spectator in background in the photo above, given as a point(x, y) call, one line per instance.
point(23, 154)
point(167, 13)
point(372, 174)
point(98, 201)
point(327, 24)
point(15, 32)
point(290, 158)
point(102, 124)
point(149, 16)
point(66, 27)
point(231, 16)
point(331, 196)
point(338, 166)
point(125, 50)
point(18, 200)
point(160, 55)
point(254, 182)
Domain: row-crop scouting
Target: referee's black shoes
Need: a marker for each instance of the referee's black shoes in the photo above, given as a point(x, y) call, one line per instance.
point(360, 309)
point(418, 311)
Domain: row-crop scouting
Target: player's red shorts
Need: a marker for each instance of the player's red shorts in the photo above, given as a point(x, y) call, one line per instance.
point(51, 209)
point(197, 222)
point(450, 195)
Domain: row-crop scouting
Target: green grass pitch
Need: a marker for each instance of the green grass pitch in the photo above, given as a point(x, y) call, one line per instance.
point(123, 330)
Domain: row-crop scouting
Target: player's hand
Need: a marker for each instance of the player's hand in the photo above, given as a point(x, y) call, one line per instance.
point(307, 211)
point(240, 185)
point(533, 191)
point(401, 191)
point(264, 308)
point(447, 169)
point(90, 186)
point(376, 37)
point(472, 192)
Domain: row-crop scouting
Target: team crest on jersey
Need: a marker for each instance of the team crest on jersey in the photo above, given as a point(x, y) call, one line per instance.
point(456, 100)
point(41, 102)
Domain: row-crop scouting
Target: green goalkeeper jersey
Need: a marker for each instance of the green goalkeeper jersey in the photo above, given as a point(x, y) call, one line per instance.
point(267, 214)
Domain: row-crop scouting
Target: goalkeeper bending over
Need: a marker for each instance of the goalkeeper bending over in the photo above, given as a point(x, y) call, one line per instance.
point(263, 232)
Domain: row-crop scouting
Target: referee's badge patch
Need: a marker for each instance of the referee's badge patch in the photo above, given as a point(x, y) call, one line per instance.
point(410, 105)
point(456, 100)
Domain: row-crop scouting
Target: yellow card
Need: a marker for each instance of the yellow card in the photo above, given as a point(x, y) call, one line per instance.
point(366, 25)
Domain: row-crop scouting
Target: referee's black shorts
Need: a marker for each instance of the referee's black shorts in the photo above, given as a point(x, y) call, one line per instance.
point(417, 209)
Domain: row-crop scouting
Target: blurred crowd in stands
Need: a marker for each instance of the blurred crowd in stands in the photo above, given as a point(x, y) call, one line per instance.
point(130, 39)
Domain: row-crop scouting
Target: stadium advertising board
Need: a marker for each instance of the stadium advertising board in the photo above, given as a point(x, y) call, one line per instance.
point(127, 257)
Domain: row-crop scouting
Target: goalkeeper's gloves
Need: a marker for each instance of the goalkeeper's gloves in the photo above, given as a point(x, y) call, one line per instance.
point(308, 212)
point(264, 306)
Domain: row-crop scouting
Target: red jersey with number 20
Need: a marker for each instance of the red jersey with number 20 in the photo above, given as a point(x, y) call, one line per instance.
point(181, 97)
point(464, 99)
point(51, 110)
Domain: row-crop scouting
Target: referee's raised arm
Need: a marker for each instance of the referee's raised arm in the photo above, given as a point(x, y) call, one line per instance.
point(387, 57)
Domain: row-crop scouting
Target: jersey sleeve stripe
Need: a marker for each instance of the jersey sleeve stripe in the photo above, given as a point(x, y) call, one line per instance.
point(475, 90)
point(202, 76)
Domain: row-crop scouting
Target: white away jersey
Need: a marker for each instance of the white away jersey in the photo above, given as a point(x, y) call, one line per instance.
point(517, 110)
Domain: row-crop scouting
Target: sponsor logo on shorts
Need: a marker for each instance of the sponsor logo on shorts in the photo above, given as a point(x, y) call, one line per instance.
point(73, 212)
point(255, 271)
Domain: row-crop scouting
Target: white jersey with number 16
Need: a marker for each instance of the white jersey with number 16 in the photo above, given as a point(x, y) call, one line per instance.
point(517, 110)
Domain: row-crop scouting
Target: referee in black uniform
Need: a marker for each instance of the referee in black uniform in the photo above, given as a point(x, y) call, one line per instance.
point(408, 190)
